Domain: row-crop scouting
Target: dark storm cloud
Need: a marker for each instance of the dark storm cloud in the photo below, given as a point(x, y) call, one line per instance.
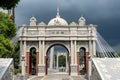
point(104, 13)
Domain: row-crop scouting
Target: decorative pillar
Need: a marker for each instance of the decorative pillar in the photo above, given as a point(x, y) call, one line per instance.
point(69, 65)
point(89, 67)
point(21, 49)
point(72, 52)
point(23, 65)
point(66, 63)
point(51, 57)
point(75, 53)
point(43, 64)
point(78, 62)
point(73, 59)
point(43, 51)
point(94, 48)
point(40, 51)
point(57, 61)
point(28, 63)
point(23, 58)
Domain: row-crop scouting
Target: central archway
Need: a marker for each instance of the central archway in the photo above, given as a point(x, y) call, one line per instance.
point(53, 65)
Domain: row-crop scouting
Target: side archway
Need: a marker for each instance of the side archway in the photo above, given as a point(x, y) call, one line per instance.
point(82, 60)
point(32, 61)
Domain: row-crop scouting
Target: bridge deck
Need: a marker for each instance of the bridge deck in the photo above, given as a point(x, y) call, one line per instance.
point(108, 68)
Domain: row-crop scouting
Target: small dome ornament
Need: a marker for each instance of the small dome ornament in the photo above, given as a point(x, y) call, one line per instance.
point(58, 21)
point(33, 21)
point(82, 21)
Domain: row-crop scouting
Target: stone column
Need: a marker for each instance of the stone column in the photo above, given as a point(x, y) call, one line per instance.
point(66, 62)
point(54, 61)
point(42, 66)
point(23, 56)
point(25, 52)
point(21, 49)
point(75, 53)
point(72, 59)
point(57, 61)
point(94, 48)
point(69, 65)
point(40, 53)
point(89, 67)
point(51, 57)
point(28, 62)
point(23, 66)
point(43, 52)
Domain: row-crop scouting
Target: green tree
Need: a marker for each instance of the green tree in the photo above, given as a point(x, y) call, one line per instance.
point(6, 48)
point(7, 27)
point(7, 31)
point(8, 4)
point(62, 60)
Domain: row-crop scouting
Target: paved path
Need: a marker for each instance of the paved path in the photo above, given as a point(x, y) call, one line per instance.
point(58, 76)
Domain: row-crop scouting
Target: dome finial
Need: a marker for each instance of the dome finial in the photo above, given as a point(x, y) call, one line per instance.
point(58, 12)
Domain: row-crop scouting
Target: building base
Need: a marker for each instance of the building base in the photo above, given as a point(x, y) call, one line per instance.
point(41, 70)
point(74, 70)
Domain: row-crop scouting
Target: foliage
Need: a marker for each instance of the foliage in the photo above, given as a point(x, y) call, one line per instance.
point(16, 56)
point(62, 61)
point(17, 71)
point(6, 48)
point(8, 4)
point(7, 27)
point(7, 31)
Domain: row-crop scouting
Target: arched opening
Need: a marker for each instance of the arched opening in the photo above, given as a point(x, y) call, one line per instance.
point(57, 59)
point(32, 61)
point(82, 60)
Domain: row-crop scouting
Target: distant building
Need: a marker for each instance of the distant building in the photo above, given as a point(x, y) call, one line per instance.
point(6, 69)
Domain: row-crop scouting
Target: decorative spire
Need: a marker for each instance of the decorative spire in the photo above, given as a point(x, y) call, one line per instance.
point(58, 12)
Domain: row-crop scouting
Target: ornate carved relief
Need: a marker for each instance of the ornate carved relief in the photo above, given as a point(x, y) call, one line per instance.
point(57, 32)
point(83, 32)
point(32, 32)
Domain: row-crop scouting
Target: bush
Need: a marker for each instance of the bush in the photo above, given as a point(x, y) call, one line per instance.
point(16, 71)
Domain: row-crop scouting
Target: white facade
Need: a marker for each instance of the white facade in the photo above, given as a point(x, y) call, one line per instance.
point(72, 36)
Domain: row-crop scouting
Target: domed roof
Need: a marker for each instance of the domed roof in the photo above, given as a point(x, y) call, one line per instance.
point(58, 21)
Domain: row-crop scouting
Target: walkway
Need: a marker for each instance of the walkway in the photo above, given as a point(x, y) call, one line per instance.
point(62, 76)
point(58, 76)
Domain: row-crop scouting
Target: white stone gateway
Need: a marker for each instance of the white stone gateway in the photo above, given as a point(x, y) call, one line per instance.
point(37, 38)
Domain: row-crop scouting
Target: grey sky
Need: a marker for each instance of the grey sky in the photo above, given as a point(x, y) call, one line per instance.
point(104, 13)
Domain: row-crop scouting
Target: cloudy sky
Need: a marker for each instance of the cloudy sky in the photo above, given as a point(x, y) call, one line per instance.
point(104, 13)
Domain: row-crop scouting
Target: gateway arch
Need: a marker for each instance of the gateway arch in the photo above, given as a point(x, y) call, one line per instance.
point(77, 37)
